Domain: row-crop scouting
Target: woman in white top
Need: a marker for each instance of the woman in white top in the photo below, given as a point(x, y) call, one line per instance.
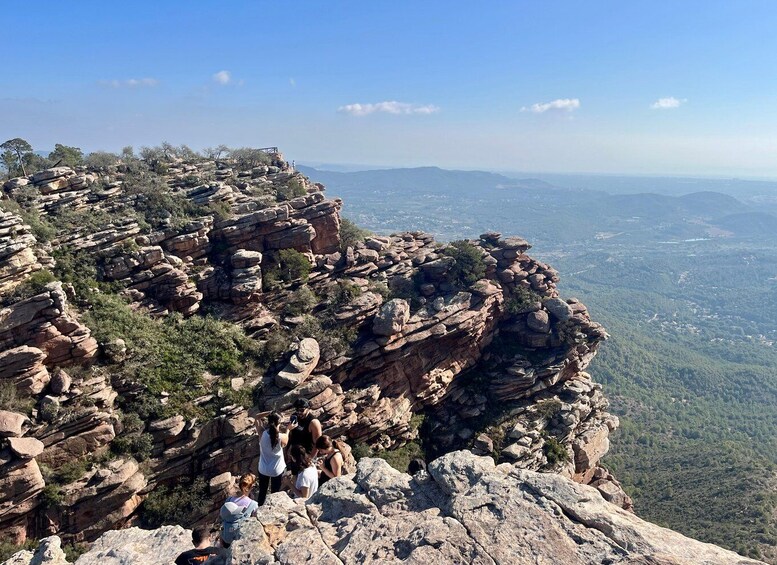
point(306, 484)
point(271, 462)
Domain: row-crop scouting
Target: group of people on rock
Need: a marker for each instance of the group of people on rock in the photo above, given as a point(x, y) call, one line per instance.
point(297, 458)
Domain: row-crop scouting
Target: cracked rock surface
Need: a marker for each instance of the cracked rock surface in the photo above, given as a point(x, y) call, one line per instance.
point(466, 510)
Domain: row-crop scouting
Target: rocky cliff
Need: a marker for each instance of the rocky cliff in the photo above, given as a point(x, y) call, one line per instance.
point(467, 510)
point(380, 333)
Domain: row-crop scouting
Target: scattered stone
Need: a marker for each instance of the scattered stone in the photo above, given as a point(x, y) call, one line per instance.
point(25, 447)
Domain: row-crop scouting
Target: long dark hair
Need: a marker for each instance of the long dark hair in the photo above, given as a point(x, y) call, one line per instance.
point(301, 457)
point(274, 421)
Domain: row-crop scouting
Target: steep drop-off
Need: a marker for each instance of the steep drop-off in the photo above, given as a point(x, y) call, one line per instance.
point(378, 332)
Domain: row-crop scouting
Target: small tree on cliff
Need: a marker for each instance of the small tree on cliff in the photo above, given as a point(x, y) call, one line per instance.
point(469, 266)
point(20, 149)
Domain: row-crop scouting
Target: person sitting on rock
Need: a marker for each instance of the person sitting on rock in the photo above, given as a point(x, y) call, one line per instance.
point(307, 429)
point(271, 460)
point(203, 550)
point(237, 509)
point(306, 483)
point(331, 462)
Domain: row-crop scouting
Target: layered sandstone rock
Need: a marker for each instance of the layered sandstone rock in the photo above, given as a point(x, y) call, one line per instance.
point(429, 352)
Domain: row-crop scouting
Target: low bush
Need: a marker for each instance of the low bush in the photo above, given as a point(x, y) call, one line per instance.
point(171, 355)
point(135, 445)
point(179, 505)
point(469, 266)
point(301, 301)
point(521, 298)
point(32, 285)
point(351, 234)
point(554, 451)
point(7, 549)
point(293, 189)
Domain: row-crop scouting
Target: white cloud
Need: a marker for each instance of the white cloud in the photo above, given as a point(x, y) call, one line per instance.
point(668, 103)
point(222, 77)
point(389, 107)
point(560, 104)
point(292, 82)
point(130, 83)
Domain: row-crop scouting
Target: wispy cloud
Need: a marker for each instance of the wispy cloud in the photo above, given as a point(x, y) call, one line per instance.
point(222, 77)
point(292, 82)
point(560, 105)
point(130, 83)
point(389, 107)
point(668, 103)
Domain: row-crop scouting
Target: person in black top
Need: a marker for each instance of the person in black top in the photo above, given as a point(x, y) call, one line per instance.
point(331, 463)
point(202, 551)
point(308, 428)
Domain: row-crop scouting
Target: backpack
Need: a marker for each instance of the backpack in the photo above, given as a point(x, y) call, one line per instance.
point(348, 460)
point(232, 517)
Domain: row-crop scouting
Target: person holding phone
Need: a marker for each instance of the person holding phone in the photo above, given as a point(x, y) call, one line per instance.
point(271, 461)
point(305, 428)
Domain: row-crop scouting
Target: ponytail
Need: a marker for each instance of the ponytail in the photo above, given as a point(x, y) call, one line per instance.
point(274, 421)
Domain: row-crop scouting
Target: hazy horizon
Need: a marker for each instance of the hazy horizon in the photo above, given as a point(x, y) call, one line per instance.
point(601, 88)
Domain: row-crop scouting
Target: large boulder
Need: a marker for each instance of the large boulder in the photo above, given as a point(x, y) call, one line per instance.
point(393, 316)
point(301, 364)
point(12, 424)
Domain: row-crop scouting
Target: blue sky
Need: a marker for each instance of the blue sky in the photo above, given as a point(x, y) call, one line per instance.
point(621, 87)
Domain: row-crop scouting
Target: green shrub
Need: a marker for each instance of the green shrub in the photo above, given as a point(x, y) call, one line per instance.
point(32, 285)
point(469, 266)
point(170, 355)
point(569, 333)
point(301, 301)
point(156, 204)
point(400, 457)
point(71, 471)
point(11, 399)
point(51, 496)
point(275, 346)
point(23, 205)
point(547, 409)
point(294, 266)
point(7, 549)
point(220, 211)
point(180, 505)
point(521, 298)
point(351, 234)
point(294, 189)
point(554, 451)
point(74, 550)
point(136, 445)
point(343, 293)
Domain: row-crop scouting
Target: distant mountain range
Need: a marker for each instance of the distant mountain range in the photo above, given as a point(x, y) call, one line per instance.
point(389, 199)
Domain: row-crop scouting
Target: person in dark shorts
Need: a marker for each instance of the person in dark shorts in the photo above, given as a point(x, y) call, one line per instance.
point(308, 428)
point(203, 551)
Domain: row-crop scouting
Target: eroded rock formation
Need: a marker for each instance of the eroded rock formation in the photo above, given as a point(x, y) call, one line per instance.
point(503, 356)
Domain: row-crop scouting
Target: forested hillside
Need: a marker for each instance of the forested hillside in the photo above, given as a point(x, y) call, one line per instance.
point(692, 313)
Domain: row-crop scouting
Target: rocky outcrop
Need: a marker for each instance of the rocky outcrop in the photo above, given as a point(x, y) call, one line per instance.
point(17, 256)
point(383, 335)
point(43, 324)
point(466, 510)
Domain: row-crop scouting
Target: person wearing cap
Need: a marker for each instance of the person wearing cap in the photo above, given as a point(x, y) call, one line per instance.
point(308, 428)
point(203, 551)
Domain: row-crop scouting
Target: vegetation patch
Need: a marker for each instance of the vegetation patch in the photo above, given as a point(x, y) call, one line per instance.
point(182, 504)
point(469, 266)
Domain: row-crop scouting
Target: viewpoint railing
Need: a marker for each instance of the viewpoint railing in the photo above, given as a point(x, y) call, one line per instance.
point(270, 150)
